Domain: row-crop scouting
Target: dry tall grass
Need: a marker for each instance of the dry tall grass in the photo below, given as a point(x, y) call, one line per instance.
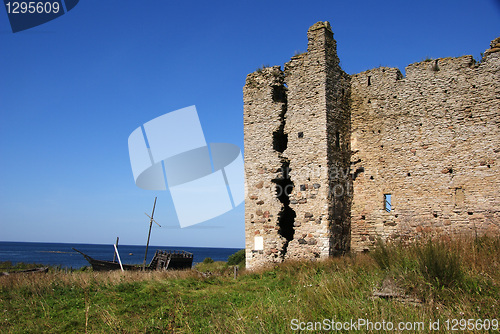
point(265, 300)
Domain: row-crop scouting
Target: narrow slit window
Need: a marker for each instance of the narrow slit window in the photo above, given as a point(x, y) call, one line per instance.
point(337, 139)
point(387, 202)
point(369, 80)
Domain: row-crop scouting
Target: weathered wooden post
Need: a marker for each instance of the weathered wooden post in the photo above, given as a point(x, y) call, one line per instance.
point(114, 254)
point(149, 235)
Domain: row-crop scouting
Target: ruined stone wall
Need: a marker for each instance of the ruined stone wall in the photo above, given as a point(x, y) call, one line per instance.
point(289, 122)
point(264, 108)
point(322, 148)
point(431, 140)
point(308, 146)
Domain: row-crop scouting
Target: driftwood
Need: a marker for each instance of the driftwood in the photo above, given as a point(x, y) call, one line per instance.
point(26, 271)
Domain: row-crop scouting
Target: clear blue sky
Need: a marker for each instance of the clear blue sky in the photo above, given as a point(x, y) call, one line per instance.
point(72, 91)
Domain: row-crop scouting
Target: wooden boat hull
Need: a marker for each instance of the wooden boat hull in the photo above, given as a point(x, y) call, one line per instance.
point(162, 260)
point(101, 265)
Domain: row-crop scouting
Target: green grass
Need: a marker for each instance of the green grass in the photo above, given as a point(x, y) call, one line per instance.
point(265, 301)
point(261, 68)
point(8, 267)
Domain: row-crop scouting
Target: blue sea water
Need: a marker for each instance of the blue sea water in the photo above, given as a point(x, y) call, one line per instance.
point(62, 254)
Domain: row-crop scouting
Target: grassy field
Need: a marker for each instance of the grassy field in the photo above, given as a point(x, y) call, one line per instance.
point(431, 281)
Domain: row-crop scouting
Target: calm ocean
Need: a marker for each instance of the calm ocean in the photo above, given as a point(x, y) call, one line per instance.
point(61, 254)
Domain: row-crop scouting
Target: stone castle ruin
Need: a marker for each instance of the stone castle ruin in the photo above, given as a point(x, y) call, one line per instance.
point(334, 162)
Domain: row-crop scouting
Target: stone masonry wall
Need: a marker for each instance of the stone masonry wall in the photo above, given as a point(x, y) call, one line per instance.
point(339, 151)
point(264, 107)
point(288, 155)
point(308, 146)
point(322, 149)
point(432, 141)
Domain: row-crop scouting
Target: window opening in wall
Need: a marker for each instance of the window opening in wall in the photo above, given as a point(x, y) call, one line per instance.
point(337, 139)
point(369, 80)
point(301, 134)
point(387, 202)
point(279, 94)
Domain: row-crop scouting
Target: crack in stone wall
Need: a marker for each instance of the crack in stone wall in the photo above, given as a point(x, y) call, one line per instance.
point(286, 216)
point(284, 185)
point(280, 138)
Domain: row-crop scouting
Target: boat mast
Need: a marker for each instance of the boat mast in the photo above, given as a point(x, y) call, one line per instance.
point(151, 220)
point(114, 254)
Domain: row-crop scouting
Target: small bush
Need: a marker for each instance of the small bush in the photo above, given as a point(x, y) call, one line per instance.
point(382, 255)
point(84, 269)
point(208, 260)
point(5, 264)
point(237, 258)
point(439, 265)
point(261, 68)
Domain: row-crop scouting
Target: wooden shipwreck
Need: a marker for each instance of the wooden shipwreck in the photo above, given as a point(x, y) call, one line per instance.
point(162, 260)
